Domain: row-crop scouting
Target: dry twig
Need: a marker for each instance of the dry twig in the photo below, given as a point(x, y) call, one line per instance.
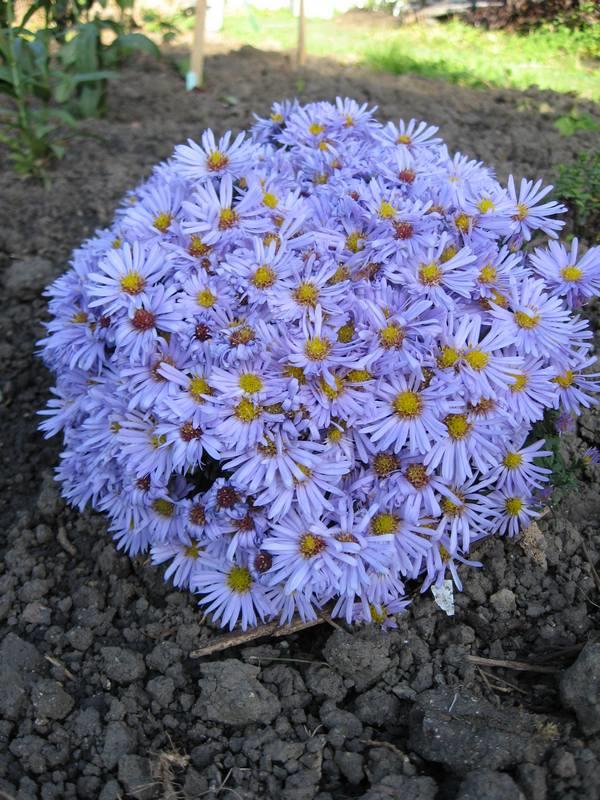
point(64, 542)
point(59, 665)
point(520, 666)
point(272, 629)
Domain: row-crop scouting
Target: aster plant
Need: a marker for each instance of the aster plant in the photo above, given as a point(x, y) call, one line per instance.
point(302, 367)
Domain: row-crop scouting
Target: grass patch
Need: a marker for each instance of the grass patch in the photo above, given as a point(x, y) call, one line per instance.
point(550, 58)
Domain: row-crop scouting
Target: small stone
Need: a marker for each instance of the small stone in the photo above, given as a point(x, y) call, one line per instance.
point(162, 690)
point(377, 707)
point(485, 783)
point(563, 764)
point(350, 765)
point(37, 614)
point(123, 666)
point(48, 501)
point(196, 784)
point(232, 695)
point(281, 752)
point(532, 780)
point(13, 696)
point(118, 740)
point(324, 683)
point(504, 602)
point(50, 700)
point(580, 689)
point(361, 656)
point(25, 279)
point(342, 722)
point(19, 654)
point(403, 787)
point(111, 791)
point(456, 728)
point(136, 776)
point(87, 723)
point(80, 638)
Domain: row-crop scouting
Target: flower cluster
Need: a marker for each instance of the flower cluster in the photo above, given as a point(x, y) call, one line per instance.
point(303, 365)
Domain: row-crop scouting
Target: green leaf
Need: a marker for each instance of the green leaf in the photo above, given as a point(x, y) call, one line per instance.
point(64, 89)
point(129, 42)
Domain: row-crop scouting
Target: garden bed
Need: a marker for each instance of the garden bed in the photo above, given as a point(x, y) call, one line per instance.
point(99, 691)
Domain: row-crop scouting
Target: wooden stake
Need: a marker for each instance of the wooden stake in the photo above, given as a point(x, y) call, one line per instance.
point(195, 77)
point(301, 53)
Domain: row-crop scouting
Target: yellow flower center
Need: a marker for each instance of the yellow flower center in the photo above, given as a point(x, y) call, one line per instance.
point(331, 392)
point(417, 476)
point(162, 221)
point(571, 273)
point(522, 211)
point(378, 617)
point(513, 505)
point(315, 128)
point(334, 434)
point(458, 426)
point(359, 375)
point(227, 218)
point(430, 274)
point(342, 273)
point(383, 524)
point(565, 380)
point(448, 357)
point(264, 277)
point(198, 387)
point(317, 348)
point(206, 298)
point(157, 441)
point(355, 241)
point(294, 372)
point(485, 205)
point(306, 294)
point(477, 360)
point(451, 509)
point(216, 161)
point(276, 117)
point(525, 320)
point(384, 464)
point(311, 545)
point(345, 333)
point(521, 381)
point(163, 507)
point(192, 551)
point(463, 221)
point(386, 210)
point(250, 382)
point(404, 138)
point(197, 247)
point(448, 253)
point(392, 336)
point(407, 404)
point(488, 274)
point(247, 411)
point(239, 580)
point(132, 283)
point(512, 460)
point(79, 318)
point(270, 200)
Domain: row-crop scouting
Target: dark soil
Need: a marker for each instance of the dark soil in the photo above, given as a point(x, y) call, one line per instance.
point(99, 697)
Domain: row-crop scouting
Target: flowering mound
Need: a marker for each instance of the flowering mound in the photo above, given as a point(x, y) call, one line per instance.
point(303, 366)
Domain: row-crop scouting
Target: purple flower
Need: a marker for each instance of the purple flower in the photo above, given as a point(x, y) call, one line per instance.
point(303, 364)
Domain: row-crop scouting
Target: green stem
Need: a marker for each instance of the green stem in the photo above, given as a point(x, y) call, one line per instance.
point(16, 77)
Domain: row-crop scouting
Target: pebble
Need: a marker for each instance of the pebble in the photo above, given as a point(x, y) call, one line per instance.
point(580, 688)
